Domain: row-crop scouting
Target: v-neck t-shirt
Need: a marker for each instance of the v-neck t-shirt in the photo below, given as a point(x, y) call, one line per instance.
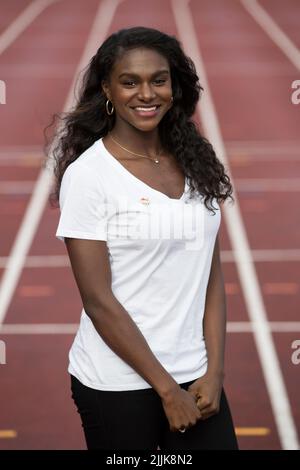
point(160, 251)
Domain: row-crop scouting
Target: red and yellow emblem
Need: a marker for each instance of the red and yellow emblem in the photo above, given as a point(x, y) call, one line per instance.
point(145, 200)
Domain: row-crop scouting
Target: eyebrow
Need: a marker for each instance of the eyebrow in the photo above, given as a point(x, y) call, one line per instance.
point(158, 72)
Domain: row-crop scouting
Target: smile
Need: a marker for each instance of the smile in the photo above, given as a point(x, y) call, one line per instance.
point(146, 111)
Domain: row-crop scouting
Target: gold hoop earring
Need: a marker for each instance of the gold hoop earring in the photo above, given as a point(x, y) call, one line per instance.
point(109, 112)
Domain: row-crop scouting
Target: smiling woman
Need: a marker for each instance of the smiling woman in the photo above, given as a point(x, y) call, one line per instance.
point(140, 81)
point(139, 190)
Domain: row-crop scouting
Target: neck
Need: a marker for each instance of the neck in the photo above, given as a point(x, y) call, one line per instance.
point(143, 142)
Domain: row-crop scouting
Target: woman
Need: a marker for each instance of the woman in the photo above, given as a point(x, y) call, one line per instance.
point(147, 363)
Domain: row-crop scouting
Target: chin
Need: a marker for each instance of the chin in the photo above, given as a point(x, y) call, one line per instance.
point(146, 126)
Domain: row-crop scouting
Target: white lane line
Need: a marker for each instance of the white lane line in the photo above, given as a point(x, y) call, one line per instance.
point(19, 149)
point(50, 261)
point(34, 211)
point(278, 151)
point(48, 71)
point(246, 157)
point(281, 147)
point(22, 22)
point(227, 256)
point(39, 329)
point(16, 187)
point(274, 327)
point(286, 143)
point(266, 184)
point(253, 297)
point(271, 28)
point(71, 328)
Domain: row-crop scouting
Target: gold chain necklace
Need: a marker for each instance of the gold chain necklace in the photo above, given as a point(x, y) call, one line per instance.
point(155, 160)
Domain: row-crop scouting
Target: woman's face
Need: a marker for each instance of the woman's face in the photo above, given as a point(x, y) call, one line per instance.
point(140, 88)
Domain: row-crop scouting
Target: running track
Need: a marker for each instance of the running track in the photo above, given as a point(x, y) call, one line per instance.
point(248, 114)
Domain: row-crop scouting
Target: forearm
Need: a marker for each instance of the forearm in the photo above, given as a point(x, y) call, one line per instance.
point(214, 323)
point(121, 334)
point(214, 334)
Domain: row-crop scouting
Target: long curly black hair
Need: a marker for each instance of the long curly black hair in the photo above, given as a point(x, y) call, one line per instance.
point(179, 135)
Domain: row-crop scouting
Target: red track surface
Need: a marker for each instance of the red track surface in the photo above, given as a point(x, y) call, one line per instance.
point(250, 80)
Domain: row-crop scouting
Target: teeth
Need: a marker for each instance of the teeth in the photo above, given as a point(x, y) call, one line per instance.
point(146, 109)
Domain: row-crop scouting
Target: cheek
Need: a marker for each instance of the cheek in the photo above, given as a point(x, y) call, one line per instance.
point(166, 93)
point(122, 96)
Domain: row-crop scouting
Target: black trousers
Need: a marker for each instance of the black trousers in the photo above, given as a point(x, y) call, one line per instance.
point(136, 420)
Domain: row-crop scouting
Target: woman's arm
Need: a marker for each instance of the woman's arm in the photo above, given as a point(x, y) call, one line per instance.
point(209, 387)
point(91, 268)
point(214, 322)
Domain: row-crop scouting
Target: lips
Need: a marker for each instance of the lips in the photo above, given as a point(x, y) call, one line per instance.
point(138, 108)
point(146, 108)
point(146, 111)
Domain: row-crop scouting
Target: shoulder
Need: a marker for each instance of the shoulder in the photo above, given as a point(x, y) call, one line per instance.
point(86, 168)
point(86, 161)
point(78, 170)
point(82, 178)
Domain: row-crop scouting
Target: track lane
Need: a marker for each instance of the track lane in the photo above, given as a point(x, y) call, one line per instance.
point(36, 392)
point(102, 15)
point(239, 94)
point(235, 300)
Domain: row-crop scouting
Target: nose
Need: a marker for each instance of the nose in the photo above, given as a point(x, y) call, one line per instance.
point(146, 92)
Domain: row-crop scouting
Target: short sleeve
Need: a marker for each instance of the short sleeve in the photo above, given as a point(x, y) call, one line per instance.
point(83, 205)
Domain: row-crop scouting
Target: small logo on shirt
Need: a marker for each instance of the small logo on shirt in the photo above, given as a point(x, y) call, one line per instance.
point(145, 201)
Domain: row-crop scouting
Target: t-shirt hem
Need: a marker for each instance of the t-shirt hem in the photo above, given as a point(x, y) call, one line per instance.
point(136, 385)
point(82, 235)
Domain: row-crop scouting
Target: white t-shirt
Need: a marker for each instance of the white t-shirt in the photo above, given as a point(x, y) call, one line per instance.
point(160, 251)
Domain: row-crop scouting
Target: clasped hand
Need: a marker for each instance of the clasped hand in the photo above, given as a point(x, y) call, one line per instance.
point(207, 393)
point(201, 400)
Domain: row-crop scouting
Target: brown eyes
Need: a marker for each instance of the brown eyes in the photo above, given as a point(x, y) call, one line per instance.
point(132, 83)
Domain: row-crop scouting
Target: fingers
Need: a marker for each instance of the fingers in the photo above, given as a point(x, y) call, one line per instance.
point(194, 393)
point(182, 412)
point(183, 428)
point(207, 408)
point(186, 425)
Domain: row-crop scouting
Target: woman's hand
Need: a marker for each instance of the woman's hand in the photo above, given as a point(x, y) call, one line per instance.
point(207, 392)
point(181, 409)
